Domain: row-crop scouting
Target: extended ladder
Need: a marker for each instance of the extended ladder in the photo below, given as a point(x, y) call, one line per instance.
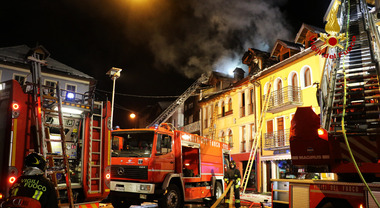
point(94, 178)
point(255, 143)
point(48, 106)
point(212, 128)
point(169, 111)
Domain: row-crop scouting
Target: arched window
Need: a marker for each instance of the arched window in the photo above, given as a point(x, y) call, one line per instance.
point(230, 104)
point(294, 80)
point(223, 109)
point(222, 137)
point(230, 139)
point(277, 93)
point(306, 76)
point(294, 94)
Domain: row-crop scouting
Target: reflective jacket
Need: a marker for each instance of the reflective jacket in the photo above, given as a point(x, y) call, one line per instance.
point(33, 184)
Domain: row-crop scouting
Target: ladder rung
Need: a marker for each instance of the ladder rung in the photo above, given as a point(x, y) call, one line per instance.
point(49, 97)
point(53, 155)
point(49, 110)
point(53, 140)
point(94, 166)
point(95, 179)
point(96, 140)
point(97, 127)
point(53, 125)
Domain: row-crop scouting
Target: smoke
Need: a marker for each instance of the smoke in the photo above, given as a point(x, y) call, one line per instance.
point(196, 36)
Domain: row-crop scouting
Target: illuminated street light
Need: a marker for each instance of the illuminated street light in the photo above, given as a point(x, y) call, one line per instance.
point(132, 115)
point(114, 73)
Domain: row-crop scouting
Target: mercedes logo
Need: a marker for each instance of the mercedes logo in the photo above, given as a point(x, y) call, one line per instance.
point(120, 171)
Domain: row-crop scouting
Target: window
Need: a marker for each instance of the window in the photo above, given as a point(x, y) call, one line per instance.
point(250, 105)
point(205, 117)
point(230, 139)
point(242, 107)
point(306, 77)
point(50, 87)
point(223, 109)
point(252, 135)
point(164, 144)
point(222, 137)
point(19, 78)
point(70, 87)
point(230, 104)
point(243, 139)
point(279, 97)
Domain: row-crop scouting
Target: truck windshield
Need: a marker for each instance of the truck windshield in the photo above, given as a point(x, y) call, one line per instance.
point(132, 144)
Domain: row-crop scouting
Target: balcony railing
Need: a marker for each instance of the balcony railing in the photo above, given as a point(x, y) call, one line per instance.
point(191, 128)
point(276, 140)
point(284, 99)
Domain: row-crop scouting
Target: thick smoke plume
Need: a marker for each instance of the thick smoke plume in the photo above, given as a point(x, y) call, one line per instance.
point(215, 34)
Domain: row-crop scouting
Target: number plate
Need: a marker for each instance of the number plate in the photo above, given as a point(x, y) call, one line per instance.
point(119, 188)
point(142, 196)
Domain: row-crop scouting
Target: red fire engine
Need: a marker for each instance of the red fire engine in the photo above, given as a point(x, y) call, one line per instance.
point(344, 139)
point(170, 166)
point(86, 137)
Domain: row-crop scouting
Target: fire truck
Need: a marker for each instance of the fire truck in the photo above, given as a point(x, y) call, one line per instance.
point(165, 165)
point(71, 132)
point(344, 139)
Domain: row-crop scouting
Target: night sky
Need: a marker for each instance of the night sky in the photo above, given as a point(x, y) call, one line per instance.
point(161, 45)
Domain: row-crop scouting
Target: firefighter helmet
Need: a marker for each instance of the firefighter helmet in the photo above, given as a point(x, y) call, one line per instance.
point(232, 163)
point(35, 160)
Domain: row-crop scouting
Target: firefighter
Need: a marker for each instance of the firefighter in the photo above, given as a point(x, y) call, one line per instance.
point(233, 174)
point(32, 189)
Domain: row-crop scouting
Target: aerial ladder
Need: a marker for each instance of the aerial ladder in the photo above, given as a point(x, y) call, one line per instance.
point(255, 144)
point(169, 111)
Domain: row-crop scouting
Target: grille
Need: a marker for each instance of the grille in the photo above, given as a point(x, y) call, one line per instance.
point(130, 171)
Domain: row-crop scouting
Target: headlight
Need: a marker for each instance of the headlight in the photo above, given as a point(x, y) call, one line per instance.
point(145, 187)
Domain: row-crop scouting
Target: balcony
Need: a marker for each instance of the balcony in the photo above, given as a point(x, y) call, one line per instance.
point(276, 140)
point(191, 128)
point(284, 99)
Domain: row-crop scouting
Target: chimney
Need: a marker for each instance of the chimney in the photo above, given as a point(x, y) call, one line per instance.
point(238, 74)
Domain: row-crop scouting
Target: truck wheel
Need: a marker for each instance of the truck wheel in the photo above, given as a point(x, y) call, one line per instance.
point(172, 198)
point(218, 191)
point(117, 202)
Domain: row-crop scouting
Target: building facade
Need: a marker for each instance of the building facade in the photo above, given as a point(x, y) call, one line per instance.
point(14, 64)
point(232, 113)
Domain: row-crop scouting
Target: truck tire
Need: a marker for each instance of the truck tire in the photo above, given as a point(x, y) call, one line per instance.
point(117, 202)
point(172, 198)
point(218, 191)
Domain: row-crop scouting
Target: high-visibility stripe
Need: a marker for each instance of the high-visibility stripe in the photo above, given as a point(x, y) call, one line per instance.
point(37, 195)
point(93, 205)
point(14, 191)
point(14, 142)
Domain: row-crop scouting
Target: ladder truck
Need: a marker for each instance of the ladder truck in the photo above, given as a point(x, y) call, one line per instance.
point(345, 138)
point(68, 128)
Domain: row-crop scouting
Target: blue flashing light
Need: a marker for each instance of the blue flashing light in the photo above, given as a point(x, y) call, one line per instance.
point(70, 95)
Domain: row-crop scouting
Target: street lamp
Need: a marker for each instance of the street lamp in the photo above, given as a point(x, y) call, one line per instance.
point(114, 73)
point(133, 117)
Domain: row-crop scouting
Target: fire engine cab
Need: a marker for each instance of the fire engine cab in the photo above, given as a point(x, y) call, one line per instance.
point(165, 165)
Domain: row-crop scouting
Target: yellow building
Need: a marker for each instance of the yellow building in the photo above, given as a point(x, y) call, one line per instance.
point(232, 113)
